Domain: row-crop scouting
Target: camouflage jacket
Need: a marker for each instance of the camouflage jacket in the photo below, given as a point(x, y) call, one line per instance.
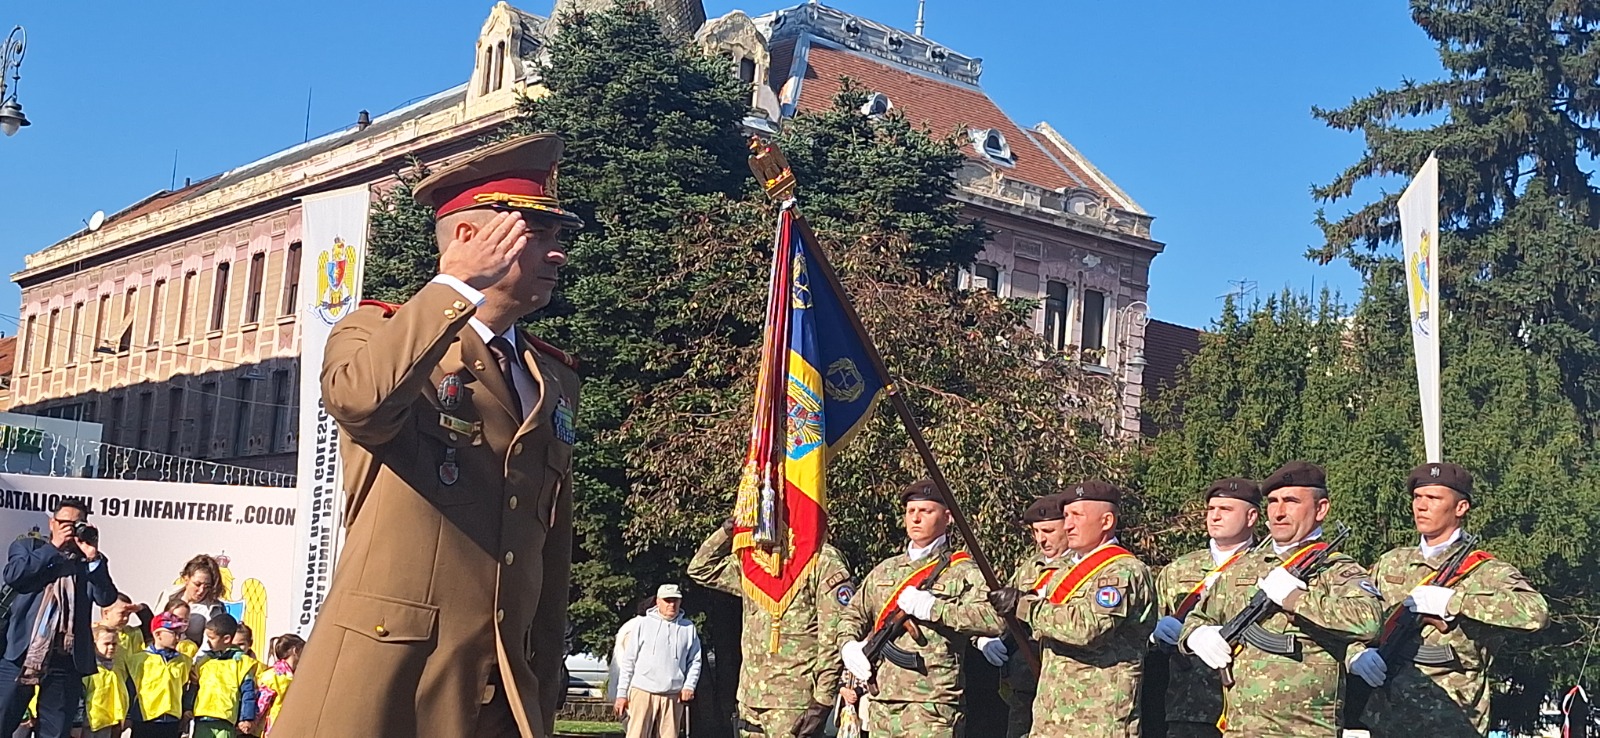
point(1492, 602)
point(1300, 694)
point(1094, 646)
point(1035, 572)
point(806, 665)
point(959, 613)
point(1194, 694)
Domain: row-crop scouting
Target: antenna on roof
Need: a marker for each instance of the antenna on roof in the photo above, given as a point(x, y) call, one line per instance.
point(95, 221)
point(308, 116)
point(172, 185)
point(921, 6)
point(1241, 288)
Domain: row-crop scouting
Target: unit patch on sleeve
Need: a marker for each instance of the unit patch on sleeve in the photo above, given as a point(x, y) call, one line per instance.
point(1108, 597)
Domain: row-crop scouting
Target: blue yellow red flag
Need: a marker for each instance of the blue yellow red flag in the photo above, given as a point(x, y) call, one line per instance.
point(817, 386)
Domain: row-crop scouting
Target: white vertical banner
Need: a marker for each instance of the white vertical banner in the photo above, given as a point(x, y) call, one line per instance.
point(334, 232)
point(1419, 236)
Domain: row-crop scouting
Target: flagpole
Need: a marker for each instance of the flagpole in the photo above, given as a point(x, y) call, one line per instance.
point(914, 430)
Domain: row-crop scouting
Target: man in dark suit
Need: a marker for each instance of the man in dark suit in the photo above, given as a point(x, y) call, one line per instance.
point(48, 646)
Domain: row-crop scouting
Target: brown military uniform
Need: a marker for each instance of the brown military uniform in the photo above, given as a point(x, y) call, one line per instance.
point(448, 609)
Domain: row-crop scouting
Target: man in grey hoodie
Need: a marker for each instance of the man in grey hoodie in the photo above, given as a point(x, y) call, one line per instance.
point(658, 669)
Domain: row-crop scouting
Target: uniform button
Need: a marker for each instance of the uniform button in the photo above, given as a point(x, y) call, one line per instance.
point(510, 557)
point(459, 305)
point(512, 503)
point(448, 313)
point(499, 615)
point(517, 449)
point(381, 631)
point(454, 437)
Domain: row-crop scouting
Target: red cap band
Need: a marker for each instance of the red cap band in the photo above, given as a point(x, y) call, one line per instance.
point(515, 189)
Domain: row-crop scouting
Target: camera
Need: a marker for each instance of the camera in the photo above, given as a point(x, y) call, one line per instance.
point(86, 533)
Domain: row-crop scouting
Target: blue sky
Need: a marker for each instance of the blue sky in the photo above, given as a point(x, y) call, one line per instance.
point(1199, 110)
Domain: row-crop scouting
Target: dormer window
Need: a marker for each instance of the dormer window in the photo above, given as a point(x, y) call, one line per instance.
point(747, 70)
point(937, 54)
point(896, 43)
point(992, 144)
point(876, 106)
point(852, 27)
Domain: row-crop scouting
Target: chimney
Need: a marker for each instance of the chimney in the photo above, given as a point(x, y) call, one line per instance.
point(363, 119)
point(186, 181)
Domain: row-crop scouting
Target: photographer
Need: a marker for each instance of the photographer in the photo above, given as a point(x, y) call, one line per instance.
point(48, 643)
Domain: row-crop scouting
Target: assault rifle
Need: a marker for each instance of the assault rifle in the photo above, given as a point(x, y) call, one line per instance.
point(880, 647)
point(1402, 641)
point(1245, 626)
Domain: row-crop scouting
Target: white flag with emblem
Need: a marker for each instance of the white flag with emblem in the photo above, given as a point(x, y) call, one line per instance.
point(1419, 237)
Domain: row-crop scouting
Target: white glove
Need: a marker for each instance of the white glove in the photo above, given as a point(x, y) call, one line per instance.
point(1427, 599)
point(855, 660)
point(1279, 584)
point(1206, 642)
point(1167, 630)
point(916, 603)
point(994, 650)
point(1370, 667)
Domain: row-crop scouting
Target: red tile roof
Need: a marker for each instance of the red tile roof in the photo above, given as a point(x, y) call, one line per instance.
point(8, 355)
point(944, 106)
point(1167, 346)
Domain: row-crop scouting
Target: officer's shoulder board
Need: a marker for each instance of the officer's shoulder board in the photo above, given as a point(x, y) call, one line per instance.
point(388, 308)
point(551, 351)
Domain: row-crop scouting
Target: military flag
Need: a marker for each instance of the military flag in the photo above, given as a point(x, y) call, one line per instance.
point(1419, 238)
point(815, 389)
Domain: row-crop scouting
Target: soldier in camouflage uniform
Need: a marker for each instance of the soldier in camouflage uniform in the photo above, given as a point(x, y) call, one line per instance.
point(790, 691)
point(910, 704)
point(1094, 625)
point(1018, 683)
point(1194, 695)
point(1298, 690)
point(1448, 696)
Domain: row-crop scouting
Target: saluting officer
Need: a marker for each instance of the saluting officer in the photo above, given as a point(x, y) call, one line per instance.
point(448, 606)
point(1443, 688)
point(1093, 622)
point(1288, 673)
point(925, 702)
point(1194, 694)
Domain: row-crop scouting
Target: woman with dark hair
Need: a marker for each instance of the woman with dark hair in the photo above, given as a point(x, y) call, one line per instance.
point(200, 585)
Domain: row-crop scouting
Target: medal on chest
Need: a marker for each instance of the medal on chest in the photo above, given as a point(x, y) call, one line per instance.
point(565, 431)
point(451, 392)
point(449, 471)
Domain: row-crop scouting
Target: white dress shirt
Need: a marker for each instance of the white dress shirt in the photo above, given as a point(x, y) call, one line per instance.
point(914, 553)
point(1429, 552)
point(527, 389)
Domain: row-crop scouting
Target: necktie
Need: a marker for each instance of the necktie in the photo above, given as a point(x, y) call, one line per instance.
point(501, 348)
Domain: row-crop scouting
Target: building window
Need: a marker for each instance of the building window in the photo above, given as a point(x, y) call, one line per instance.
point(747, 70)
point(219, 297)
point(28, 334)
point(113, 422)
point(50, 337)
point(130, 308)
point(208, 418)
point(102, 323)
point(499, 65)
point(147, 401)
point(282, 410)
point(877, 105)
point(1094, 325)
point(291, 280)
point(1055, 315)
point(158, 313)
point(258, 273)
point(992, 144)
point(174, 420)
point(488, 70)
point(73, 336)
point(986, 277)
point(186, 304)
point(241, 414)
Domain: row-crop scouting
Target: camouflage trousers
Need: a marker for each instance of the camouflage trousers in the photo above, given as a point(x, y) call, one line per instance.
point(1019, 713)
point(1184, 729)
point(772, 722)
point(914, 720)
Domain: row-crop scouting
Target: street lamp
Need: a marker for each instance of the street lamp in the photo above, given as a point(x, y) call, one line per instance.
point(11, 117)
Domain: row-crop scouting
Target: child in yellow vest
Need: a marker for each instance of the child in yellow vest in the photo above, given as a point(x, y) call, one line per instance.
point(105, 694)
point(180, 609)
point(225, 702)
point(274, 683)
point(159, 674)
